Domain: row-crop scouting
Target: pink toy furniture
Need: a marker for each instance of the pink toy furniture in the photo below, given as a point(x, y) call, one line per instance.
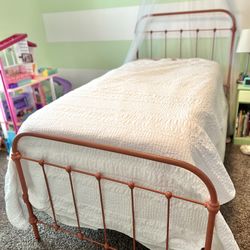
point(18, 76)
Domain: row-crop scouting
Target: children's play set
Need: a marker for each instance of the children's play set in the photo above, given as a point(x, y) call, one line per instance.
point(23, 88)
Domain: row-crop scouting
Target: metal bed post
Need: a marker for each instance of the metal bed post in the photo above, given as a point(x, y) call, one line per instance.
point(166, 47)
point(16, 157)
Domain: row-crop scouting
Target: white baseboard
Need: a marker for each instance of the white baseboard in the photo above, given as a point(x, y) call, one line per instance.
point(78, 77)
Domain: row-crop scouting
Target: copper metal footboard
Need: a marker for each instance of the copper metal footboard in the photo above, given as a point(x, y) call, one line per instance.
point(212, 205)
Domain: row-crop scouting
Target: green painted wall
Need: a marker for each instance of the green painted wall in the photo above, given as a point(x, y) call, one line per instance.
point(90, 55)
point(99, 55)
point(72, 5)
point(25, 16)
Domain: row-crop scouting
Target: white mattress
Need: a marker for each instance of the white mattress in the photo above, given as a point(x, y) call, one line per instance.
point(172, 108)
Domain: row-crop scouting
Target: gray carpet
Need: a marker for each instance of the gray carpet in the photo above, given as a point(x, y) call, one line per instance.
point(236, 213)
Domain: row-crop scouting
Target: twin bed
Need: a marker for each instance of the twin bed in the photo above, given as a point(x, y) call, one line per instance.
point(139, 150)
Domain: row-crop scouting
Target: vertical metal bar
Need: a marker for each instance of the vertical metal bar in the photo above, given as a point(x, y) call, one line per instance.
point(132, 186)
point(196, 42)
point(213, 46)
point(79, 235)
point(181, 31)
point(167, 233)
point(16, 157)
point(98, 177)
point(41, 163)
point(213, 209)
point(151, 44)
point(168, 196)
point(166, 49)
point(231, 57)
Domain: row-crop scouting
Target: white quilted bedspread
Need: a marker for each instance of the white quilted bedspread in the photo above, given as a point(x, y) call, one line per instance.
point(172, 108)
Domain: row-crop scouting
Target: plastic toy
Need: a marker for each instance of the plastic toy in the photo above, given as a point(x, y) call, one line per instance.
point(21, 102)
point(47, 71)
point(65, 84)
point(21, 85)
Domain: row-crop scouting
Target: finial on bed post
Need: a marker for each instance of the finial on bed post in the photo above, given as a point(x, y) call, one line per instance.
point(16, 156)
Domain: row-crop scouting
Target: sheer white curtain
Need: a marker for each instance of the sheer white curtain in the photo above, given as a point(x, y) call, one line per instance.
point(147, 7)
point(222, 43)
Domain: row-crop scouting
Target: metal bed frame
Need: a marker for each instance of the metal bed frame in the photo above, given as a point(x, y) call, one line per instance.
point(212, 205)
point(196, 31)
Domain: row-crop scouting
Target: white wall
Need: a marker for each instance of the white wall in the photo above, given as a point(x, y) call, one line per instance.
point(242, 11)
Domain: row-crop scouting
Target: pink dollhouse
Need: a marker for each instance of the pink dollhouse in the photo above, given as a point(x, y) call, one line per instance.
point(21, 86)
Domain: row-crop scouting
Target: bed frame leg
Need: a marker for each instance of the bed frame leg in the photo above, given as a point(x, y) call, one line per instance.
point(35, 228)
point(16, 157)
point(32, 218)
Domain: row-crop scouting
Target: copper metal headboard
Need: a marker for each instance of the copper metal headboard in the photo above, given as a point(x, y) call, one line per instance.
point(196, 31)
